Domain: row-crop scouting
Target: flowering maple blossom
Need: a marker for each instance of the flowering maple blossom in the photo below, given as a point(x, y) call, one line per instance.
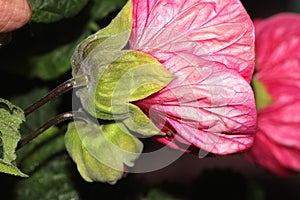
point(209, 46)
point(277, 143)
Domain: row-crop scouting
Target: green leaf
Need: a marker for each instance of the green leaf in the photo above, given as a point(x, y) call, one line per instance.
point(100, 152)
point(47, 11)
point(262, 97)
point(113, 37)
point(123, 77)
point(11, 117)
point(10, 168)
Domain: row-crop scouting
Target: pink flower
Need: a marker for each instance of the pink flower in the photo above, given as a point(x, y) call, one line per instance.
point(277, 143)
point(14, 14)
point(209, 46)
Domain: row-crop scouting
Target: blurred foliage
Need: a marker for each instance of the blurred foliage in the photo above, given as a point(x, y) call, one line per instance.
point(48, 11)
point(44, 49)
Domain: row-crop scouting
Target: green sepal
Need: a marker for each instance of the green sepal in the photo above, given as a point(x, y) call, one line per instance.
point(100, 151)
point(262, 97)
point(113, 37)
point(132, 76)
point(140, 123)
point(11, 117)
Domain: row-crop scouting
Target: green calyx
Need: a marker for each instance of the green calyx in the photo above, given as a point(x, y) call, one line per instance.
point(262, 97)
point(111, 38)
point(112, 86)
point(118, 77)
point(101, 151)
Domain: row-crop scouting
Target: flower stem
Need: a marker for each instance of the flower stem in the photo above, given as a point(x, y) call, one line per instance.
point(62, 88)
point(59, 118)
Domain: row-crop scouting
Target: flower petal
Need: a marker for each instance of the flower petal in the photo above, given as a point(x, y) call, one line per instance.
point(215, 30)
point(277, 38)
point(211, 107)
point(278, 54)
point(281, 122)
point(277, 146)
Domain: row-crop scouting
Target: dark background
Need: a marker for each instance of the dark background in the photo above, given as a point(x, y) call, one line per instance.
point(266, 8)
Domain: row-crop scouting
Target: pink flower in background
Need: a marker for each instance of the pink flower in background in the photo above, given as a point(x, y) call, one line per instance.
point(14, 14)
point(209, 46)
point(277, 143)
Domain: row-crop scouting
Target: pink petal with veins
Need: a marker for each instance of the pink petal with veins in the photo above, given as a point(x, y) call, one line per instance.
point(277, 143)
point(281, 122)
point(215, 30)
point(210, 107)
point(278, 54)
point(208, 46)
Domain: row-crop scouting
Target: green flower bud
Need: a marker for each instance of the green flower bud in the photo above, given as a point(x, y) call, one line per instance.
point(101, 151)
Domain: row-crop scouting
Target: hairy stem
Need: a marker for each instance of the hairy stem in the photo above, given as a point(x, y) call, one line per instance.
point(59, 118)
point(62, 88)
